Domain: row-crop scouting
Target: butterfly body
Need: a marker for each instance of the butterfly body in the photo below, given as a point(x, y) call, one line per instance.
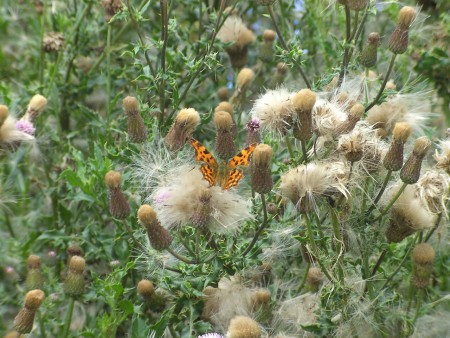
point(223, 174)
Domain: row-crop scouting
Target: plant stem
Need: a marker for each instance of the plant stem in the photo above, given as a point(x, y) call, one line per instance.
point(289, 147)
point(164, 38)
point(260, 229)
point(41, 324)
point(68, 318)
point(108, 74)
point(285, 46)
point(338, 236)
point(380, 193)
point(386, 79)
point(345, 59)
point(418, 305)
point(304, 151)
point(191, 318)
point(391, 203)
point(378, 264)
point(181, 257)
point(430, 233)
point(302, 284)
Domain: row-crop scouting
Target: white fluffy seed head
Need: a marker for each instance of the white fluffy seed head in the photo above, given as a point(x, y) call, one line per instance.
point(234, 30)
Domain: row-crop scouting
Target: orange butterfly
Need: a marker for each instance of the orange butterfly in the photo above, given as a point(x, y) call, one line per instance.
point(222, 174)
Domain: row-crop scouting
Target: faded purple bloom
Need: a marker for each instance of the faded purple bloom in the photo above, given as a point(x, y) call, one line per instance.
point(252, 131)
point(254, 124)
point(25, 127)
point(211, 335)
point(161, 196)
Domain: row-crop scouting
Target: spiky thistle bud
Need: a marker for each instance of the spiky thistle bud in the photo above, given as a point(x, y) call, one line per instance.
point(354, 115)
point(74, 282)
point(224, 145)
point(203, 211)
point(146, 289)
point(423, 257)
point(243, 80)
point(243, 327)
point(398, 42)
point(252, 127)
point(4, 113)
point(223, 94)
point(266, 50)
point(118, 204)
point(303, 103)
point(53, 42)
point(279, 75)
point(314, 278)
point(137, 132)
point(357, 5)
point(261, 169)
point(23, 323)
point(182, 128)
point(369, 54)
point(410, 171)
point(34, 279)
point(36, 105)
point(394, 157)
point(158, 236)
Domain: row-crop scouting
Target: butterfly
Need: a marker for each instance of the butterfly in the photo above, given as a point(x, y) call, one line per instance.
point(222, 174)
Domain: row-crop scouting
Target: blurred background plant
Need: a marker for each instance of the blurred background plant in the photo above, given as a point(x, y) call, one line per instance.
point(93, 96)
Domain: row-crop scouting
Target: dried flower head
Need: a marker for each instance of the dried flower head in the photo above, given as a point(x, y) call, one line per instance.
point(235, 32)
point(357, 5)
point(11, 131)
point(53, 42)
point(137, 132)
point(352, 146)
point(112, 7)
point(354, 115)
point(35, 107)
point(314, 278)
point(146, 289)
point(243, 327)
point(433, 189)
point(261, 168)
point(23, 322)
point(225, 106)
point(369, 54)
point(252, 127)
point(158, 236)
point(275, 111)
point(303, 103)
point(443, 157)
point(410, 171)
point(266, 52)
point(223, 94)
point(182, 128)
point(398, 42)
point(224, 145)
point(423, 257)
point(394, 157)
point(118, 204)
point(243, 81)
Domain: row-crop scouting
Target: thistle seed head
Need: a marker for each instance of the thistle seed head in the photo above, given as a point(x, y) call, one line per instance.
point(182, 128)
point(243, 327)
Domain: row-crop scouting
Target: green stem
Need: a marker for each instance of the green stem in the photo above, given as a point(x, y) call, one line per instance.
point(304, 151)
point(191, 319)
point(418, 305)
point(289, 147)
point(68, 318)
point(302, 284)
point(9, 225)
point(345, 58)
point(380, 193)
point(108, 74)
point(164, 38)
point(260, 229)
point(181, 257)
point(340, 248)
point(41, 324)
point(386, 79)
point(391, 203)
point(430, 233)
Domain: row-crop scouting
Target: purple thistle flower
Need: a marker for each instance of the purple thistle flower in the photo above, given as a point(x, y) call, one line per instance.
point(25, 127)
point(254, 124)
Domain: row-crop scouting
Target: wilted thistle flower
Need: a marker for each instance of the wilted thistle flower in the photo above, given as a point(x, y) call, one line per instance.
point(252, 127)
point(35, 107)
point(74, 281)
point(118, 204)
point(394, 157)
point(274, 110)
point(303, 103)
point(223, 94)
point(53, 42)
point(34, 279)
point(146, 289)
point(354, 115)
point(352, 146)
point(224, 145)
point(12, 132)
point(304, 184)
point(202, 214)
point(407, 215)
point(370, 51)
point(410, 171)
point(225, 106)
point(314, 278)
point(23, 323)
point(266, 49)
point(137, 132)
point(261, 168)
point(443, 157)
point(423, 257)
point(112, 7)
point(433, 189)
point(279, 75)
point(158, 236)
point(398, 42)
point(182, 128)
point(235, 32)
point(243, 327)
point(243, 80)
point(4, 113)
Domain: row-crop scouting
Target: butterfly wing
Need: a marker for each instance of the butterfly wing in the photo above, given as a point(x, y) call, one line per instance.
point(234, 177)
point(243, 158)
point(209, 166)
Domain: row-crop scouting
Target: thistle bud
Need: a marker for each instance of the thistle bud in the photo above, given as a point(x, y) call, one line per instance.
point(4, 113)
point(182, 128)
point(158, 236)
point(314, 278)
point(266, 51)
point(243, 327)
point(137, 132)
point(118, 204)
point(35, 107)
point(303, 103)
point(224, 145)
point(423, 257)
point(146, 289)
point(279, 75)
point(203, 211)
point(34, 279)
point(23, 323)
point(53, 42)
point(74, 282)
point(223, 94)
point(369, 54)
point(112, 7)
point(398, 42)
point(252, 127)
point(357, 5)
point(261, 169)
point(354, 115)
point(410, 171)
point(243, 80)
point(394, 157)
